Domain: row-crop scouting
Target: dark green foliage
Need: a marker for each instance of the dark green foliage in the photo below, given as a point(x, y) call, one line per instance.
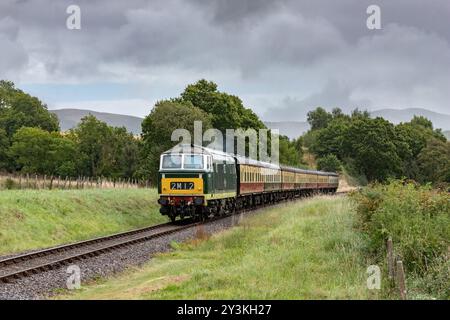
point(377, 149)
point(18, 109)
point(418, 220)
point(319, 118)
point(290, 152)
point(103, 150)
point(434, 162)
point(227, 111)
point(4, 145)
point(329, 163)
point(39, 151)
point(371, 142)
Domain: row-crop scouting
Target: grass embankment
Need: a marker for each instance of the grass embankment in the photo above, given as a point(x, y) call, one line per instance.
point(40, 218)
point(303, 250)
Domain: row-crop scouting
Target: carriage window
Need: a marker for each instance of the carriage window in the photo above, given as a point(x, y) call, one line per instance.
point(193, 162)
point(171, 162)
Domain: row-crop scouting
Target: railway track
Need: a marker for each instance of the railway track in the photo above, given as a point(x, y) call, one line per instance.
point(24, 265)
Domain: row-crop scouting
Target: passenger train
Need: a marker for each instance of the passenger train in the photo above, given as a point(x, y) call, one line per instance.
point(199, 182)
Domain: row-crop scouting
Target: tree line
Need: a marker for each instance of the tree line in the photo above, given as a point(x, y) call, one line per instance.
point(375, 149)
point(31, 142)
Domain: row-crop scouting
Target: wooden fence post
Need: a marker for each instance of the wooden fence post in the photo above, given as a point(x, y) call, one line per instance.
point(390, 259)
point(401, 280)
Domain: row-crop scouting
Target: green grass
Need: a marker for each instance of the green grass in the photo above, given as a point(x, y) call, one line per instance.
point(304, 250)
point(31, 219)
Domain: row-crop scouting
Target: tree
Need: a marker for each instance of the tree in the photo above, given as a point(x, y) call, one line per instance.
point(371, 143)
point(94, 144)
point(331, 139)
point(38, 151)
point(18, 109)
point(434, 162)
point(289, 154)
point(422, 121)
point(125, 153)
point(157, 130)
point(227, 110)
point(319, 118)
point(4, 145)
point(329, 163)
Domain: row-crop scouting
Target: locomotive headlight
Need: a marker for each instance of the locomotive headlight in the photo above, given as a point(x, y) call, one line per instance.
point(163, 202)
point(198, 201)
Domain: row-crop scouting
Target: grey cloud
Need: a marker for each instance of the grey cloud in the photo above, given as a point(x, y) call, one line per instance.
point(260, 46)
point(333, 95)
point(13, 57)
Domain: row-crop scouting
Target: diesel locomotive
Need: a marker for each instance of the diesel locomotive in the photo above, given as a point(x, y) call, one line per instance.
point(199, 182)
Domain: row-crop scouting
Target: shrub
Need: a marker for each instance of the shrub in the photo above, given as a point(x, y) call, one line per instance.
point(418, 220)
point(329, 163)
point(9, 184)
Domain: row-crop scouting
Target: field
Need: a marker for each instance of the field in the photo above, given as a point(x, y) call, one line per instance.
point(304, 250)
point(34, 219)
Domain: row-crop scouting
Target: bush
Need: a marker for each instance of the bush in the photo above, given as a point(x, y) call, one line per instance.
point(418, 220)
point(329, 163)
point(9, 184)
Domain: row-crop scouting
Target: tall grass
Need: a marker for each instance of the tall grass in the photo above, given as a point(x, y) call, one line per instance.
point(418, 220)
point(34, 219)
point(304, 250)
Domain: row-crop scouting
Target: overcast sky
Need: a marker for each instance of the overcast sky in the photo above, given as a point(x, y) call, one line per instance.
point(281, 57)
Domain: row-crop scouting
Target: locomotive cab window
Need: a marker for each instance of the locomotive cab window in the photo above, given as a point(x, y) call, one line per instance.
point(193, 161)
point(171, 162)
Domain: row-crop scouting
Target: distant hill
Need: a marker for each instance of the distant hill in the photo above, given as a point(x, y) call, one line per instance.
point(404, 115)
point(292, 129)
point(447, 134)
point(69, 118)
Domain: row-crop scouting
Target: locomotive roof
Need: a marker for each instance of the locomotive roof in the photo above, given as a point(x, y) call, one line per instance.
point(196, 149)
point(186, 148)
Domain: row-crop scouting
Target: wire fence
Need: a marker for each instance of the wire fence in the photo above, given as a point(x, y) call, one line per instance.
point(35, 181)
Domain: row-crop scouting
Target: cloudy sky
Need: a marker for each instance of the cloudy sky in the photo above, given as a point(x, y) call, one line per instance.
point(281, 57)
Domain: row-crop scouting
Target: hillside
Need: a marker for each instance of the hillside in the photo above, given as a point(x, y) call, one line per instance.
point(294, 129)
point(403, 115)
point(35, 219)
point(69, 118)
